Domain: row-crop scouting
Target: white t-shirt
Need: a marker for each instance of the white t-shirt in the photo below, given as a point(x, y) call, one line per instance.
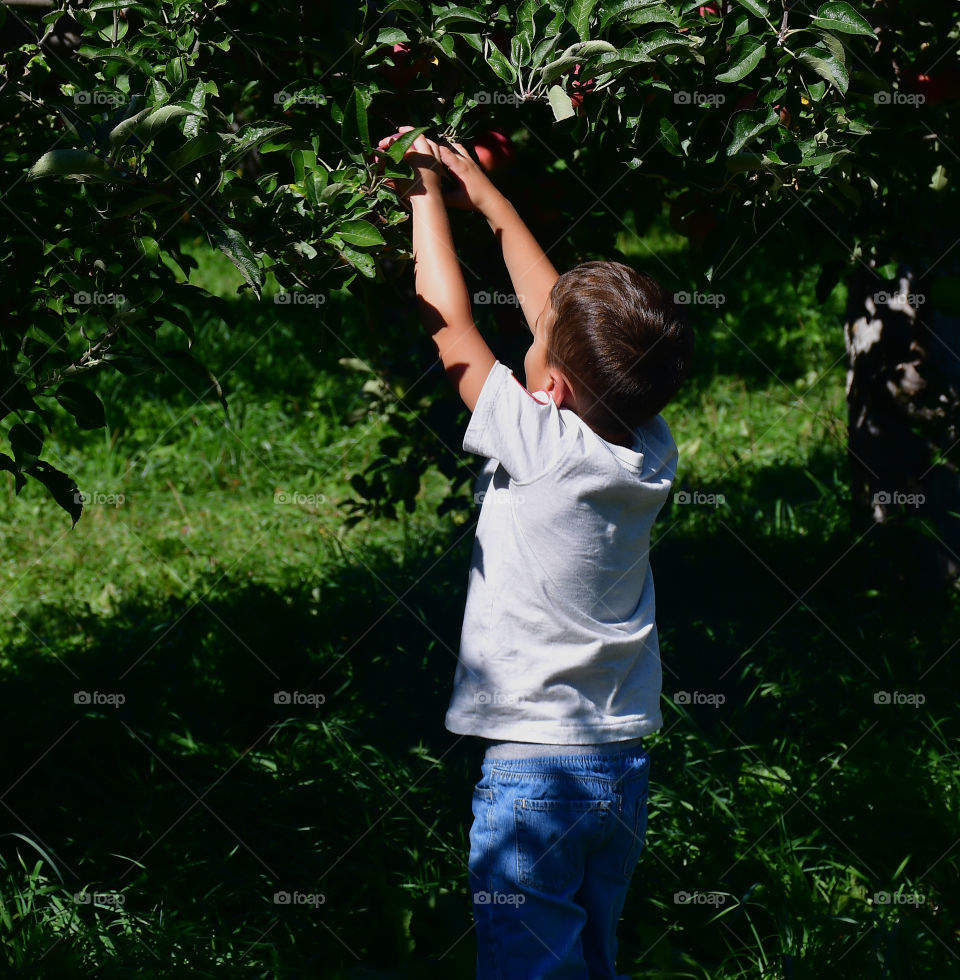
point(559, 642)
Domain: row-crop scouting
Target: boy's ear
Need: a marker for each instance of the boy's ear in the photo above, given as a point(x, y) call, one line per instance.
point(561, 390)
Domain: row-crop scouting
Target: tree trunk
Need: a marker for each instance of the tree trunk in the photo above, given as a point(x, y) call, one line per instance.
point(903, 396)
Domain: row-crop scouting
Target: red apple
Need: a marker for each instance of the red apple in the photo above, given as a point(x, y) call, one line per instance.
point(580, 89)
point(934, 88)
point(746, 101)
point(708, 8)
point(586, 86)
point(494, 150)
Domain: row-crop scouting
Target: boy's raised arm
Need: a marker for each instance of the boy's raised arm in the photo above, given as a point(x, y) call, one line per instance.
point(441, 290)
point(531, 272)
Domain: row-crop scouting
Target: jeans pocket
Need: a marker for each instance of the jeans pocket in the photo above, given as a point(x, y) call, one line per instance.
point(483, 789)
point(550, 839)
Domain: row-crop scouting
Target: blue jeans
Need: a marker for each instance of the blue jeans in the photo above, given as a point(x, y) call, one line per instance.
point(553, 845)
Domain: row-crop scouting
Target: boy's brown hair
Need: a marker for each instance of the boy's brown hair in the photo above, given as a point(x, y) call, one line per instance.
point(622, 342)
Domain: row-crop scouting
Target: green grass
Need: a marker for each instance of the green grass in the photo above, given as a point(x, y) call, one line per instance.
point(792, 804)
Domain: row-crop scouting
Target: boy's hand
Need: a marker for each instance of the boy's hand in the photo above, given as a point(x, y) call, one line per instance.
point(475, 191)
point(424, 157)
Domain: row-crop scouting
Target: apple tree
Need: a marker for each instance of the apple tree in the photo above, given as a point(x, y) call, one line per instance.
point(825, 130)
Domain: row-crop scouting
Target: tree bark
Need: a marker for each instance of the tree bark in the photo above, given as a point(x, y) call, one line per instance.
point(903, 397)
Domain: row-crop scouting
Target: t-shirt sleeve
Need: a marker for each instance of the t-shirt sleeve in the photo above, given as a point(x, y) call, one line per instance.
point(510, 425)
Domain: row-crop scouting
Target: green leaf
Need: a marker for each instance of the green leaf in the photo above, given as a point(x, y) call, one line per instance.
point(63, 488)
point(192, 150)
point(657, 13)
point(826, 66)
point(360, 232)
point(144, 6)
point(71, 163)
point(659, 41)
point(939, 180)
point(746, 55)
point(576, 54)
point(519, 51)
point(755, 7)
point(391, 36)
point(157, 119)
point(6, 463)
point(197, 99)
point(560, 103)
point(400, 146)
point(121, 132)
point(451, 15)
point(842, 17)
point(669, 137)
point(616, 11)
point(236, 249)
point(315, 183)
point(247, 138)
point(82, 404)
point(835, 46)
point(148, 248)
point(27, 443)
point(578, 15)
point(359, 260)
point(355, 125)
point(175, 71)
point(747, 125)
point(501, 65)
point(526, 21)
point(545, 48)
point(93, 53)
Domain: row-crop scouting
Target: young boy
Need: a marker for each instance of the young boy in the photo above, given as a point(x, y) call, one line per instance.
point(559, 666)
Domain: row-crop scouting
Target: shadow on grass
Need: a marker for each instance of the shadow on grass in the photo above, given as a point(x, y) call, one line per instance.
point(201, 799)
